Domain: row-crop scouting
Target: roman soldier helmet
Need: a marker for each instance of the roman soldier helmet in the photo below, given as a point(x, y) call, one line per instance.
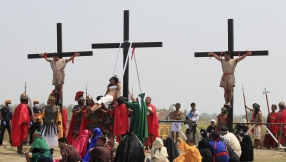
point(79, 96)
point(51, 97)
point(24, 96)
point(281, 104)
point(89, 98)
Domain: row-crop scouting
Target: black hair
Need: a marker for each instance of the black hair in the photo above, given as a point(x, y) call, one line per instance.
point(115, 79)
point(24, 101)
point(102, 138)
point(56, 54)
point(227, 53)
point(121, 100)
point(203, 144)
point(190, 140)
point(215, 135)
point(63, 139)
point(98, 98)
point(223, 128)
point(193, 104)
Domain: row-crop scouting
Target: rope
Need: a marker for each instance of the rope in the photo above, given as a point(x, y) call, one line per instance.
point(125, 64)
point(137, 73)
point(116, 59)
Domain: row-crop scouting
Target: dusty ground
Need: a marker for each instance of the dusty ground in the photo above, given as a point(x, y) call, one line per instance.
point(8, 154)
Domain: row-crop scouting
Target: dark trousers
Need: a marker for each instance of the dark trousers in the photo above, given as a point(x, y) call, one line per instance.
point(192, 130)
point(36, 126)
point(2, 131)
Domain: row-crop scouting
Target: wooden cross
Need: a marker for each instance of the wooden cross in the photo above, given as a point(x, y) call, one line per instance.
point(233, 53)
point(125, 45)
point(60, 51)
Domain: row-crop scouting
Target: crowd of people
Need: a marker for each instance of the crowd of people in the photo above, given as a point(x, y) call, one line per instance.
point(96, 125)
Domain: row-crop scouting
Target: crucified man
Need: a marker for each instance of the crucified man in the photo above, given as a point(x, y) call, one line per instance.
point(228, 67)
point(58, 66)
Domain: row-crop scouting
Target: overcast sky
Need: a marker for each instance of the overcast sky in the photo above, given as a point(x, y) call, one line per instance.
point(169, 74)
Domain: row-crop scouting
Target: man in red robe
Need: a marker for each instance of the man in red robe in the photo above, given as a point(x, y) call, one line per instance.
point(65, 118)
point(272, 118)
point(76, 118)
point(121, 125)
point(20, 124)
point(282, 119)
point(152, 121)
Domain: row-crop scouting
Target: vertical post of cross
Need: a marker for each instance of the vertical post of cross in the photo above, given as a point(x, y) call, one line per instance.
point(231, 50)
point(125, 52)
point(59, 40)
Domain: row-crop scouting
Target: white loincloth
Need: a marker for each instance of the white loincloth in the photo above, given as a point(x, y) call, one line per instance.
point(106, 100)
point(176, 127)
point(52, 139)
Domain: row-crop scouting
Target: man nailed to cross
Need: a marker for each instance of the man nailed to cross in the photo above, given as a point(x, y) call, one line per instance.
point(58, 66)
point(228, 67)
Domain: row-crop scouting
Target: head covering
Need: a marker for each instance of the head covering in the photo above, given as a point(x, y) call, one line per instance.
point(81, 99)
point(243, 121)
point(158, 149)
point(246, 149)
point(24, 96)
point(51, 97)
point(273, 105)
point(7, 101)
point(171, 148)
point(35, 101)
point(130, 149)
point(96, 134)
point(78, 94)
point(281, 104)
point(39, 142)
point(89, 98)
point(213, 120)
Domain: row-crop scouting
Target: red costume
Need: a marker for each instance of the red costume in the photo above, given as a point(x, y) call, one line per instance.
point(268, 140)
point(121, 125)
point(153, 125)
point(20, 121)
point(93, 121)
point(282, 119)
point(81, 143)
point(73, 121)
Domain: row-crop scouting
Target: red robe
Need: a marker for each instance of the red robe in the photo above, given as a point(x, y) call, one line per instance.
point(120, 123)
point(153, 125)
point(81, 143)
point(273, 128)
point(19, 130)
point(65, 117)
point(282, 119)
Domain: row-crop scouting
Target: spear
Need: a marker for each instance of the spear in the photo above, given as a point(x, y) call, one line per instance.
point(265, 92)
point(30, 104)
point(244, 104)
point(85, 93)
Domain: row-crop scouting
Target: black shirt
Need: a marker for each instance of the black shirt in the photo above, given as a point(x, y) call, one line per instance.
point(211, 129)
point(6, 114)
point(241, 130)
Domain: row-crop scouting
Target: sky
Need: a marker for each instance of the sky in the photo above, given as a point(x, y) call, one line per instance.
point(169, 74)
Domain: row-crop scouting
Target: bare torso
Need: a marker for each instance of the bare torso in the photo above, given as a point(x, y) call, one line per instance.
point(177, 115)
point(114, 90)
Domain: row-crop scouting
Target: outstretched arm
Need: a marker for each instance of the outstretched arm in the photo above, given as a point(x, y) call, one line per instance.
point(71, 58)
point(44, 56)
point(211, 54)
point(248, 53)
point(248, 108)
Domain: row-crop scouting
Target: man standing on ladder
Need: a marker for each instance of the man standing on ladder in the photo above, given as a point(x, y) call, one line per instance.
point(193, 116)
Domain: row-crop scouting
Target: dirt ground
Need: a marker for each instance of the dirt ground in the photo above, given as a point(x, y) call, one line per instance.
point(8, 154)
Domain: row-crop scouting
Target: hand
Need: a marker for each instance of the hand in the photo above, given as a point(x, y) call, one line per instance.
point(248, 53)
point(4, 123)
point(76, 54)
point(211, 54)
point(41, 55)
point(245, 106)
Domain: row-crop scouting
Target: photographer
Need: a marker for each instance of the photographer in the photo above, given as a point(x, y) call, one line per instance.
point(193, 116)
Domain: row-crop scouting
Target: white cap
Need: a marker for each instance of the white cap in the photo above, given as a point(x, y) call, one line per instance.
point(212, 120)
point(243, 121)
